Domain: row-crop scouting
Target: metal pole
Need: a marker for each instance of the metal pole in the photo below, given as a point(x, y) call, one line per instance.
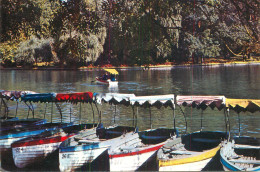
point(225, 115)
point(6, 108)
point(115, 115)
point(173, 109)
point(16, 109)
point(59, 109)
point(29, 108)
point(93, 113)
point(70, 111)
point(184, 118)
point(238, 124)
point(44, 116)
point(1, 105)
point(32, 109)
point(201, 120)
point(228, 124)
point(51, 110)
point(133, 115)
point(150, 117)
point(80, 113)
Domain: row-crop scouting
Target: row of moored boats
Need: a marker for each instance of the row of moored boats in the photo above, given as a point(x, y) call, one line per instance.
point(124, 148)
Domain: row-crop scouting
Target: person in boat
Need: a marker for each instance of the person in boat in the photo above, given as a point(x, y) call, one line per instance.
point(105, 76)
point(112, 77)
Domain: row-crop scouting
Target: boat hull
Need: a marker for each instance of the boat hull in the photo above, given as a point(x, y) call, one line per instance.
point(133, 160)
point(140, 150)
point(193, 166)
point(246, 156)
point(72, 160)
point(107, 82)
point(25, 156)
point(191, 152)
point(75, 154)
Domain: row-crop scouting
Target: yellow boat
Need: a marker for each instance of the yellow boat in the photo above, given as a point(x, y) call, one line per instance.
point(191, 152)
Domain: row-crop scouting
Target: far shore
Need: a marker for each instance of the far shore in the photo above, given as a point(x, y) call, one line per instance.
point(208, 62)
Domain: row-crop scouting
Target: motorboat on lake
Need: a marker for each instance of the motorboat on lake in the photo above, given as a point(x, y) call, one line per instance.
point(108, 79)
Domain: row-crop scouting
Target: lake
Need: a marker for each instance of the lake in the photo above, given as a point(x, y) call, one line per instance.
point(232, 81)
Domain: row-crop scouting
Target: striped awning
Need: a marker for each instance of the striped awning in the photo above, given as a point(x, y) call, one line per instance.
point(85, 97)
point(157, 101)
point(14, 95)
point(112, 71)
point(201, 102)
point(239, 105)
point(113, 98)
point(39, 97)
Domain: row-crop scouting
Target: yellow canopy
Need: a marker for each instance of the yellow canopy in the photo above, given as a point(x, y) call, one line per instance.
point(251, 105)
point(112, 71)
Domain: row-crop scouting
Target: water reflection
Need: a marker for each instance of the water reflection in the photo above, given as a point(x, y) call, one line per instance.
point(240, 81)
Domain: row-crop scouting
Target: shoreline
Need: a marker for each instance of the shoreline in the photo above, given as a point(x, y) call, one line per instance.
point(147, 67)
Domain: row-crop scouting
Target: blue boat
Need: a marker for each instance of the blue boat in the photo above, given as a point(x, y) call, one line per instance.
point(241, 154)
point(18, 123)
point(10, 136)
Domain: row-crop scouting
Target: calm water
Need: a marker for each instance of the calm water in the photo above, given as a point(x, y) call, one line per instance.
point(233, 81)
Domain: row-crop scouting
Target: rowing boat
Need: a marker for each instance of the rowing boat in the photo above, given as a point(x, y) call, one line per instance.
point(132, 157)
point(191, 152)
point(10, 136)
point(35, 149)
point(82, 149)
point(241, 154)
point(18, 123)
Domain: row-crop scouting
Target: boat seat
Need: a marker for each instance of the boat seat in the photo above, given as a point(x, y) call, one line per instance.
point(238, 146)
point(245, 161)
point(206, 140)
point(182, 153)
point(88, 141)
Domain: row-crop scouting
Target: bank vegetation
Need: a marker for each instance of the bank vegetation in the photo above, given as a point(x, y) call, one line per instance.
point(126, 32)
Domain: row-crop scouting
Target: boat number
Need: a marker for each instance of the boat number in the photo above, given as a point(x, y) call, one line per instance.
point(17, 150)
point(64, 156)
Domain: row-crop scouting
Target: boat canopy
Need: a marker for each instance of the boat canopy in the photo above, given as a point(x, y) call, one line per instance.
point(39, 97)
point(239, 105)
point(201, 102)
point(14, 95)
point(113, 98)
point(157, 101)
point(112, 71)
point(86, 97)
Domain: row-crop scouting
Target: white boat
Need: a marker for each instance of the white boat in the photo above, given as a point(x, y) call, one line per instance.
point(82, 149)
point(10, 136)
point(132, 157)
point(241, 154)
point(191, 152)
point(106, 82)
point(35, 149)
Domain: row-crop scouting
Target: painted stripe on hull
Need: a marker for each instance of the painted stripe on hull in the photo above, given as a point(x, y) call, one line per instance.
point(69, 161)
point(6, 143)
point(230, 167)
point(40, 141)
point(204, 155)
point(24, 156)
point(141, 151)
point(195, 166)
point(129, 163)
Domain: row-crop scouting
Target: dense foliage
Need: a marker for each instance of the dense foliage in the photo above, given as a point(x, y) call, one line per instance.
point(99, 32)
